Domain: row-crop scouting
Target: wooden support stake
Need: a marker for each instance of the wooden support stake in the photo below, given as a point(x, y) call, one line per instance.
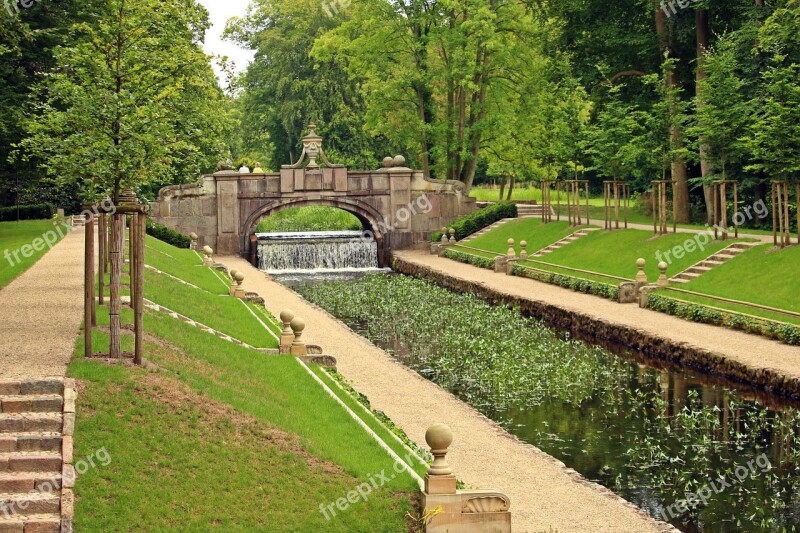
point(101, 255)
point(723, 196)
point(138, 309)
point(88, 285)
point(787, 236)
point(735, 209)
point(116, 266)
point(627, 202)
point(774, 219)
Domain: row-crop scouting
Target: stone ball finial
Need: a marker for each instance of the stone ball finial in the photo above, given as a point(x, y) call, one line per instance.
point(511, 252)
point(239, 277)
point(233, 273)
point(193, 236)
point(523, 244)
point(286, 316)
point(640, 262)
point(662, 266)
point(298, 325)
point(388, 162)
point(439, 438)
point(399, 161)
point(641, 275)
point(207, 250)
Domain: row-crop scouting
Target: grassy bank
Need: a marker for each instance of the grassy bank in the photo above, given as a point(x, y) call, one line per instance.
point(16, 235)
point(224, 437)
point(311, 218)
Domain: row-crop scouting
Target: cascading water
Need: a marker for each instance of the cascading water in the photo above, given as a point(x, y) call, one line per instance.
point(316, 252)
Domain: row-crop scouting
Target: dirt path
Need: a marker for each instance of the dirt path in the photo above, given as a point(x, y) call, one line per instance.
point(543, 492)
point(764, 239)
point(41, 313)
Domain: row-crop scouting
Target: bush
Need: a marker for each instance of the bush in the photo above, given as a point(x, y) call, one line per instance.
point(169, 236)
point(474, 222)
point(474, 260)
point(585, 286)
point(788, 333)
point(27, 212)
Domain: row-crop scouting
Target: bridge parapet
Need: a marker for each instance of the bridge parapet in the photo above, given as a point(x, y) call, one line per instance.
point(399, 206)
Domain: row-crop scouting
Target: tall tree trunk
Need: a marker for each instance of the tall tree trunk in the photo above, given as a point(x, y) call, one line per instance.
point(680, 191)
point(511, 186)
point(503, 186)
point(703, 30)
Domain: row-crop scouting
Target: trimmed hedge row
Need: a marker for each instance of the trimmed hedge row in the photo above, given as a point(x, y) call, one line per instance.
point(474, 260)
point(27, 212)
point(169, 236)
point(585, 286)
point(784, 332)
point(568, 282)
point(474, 222)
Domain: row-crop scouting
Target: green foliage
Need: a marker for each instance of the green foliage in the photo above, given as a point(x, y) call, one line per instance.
point(474, 222)
point(788, 333)
point(470, 259)
point(27, 212)
point(604, 290)
point(119, 115)
point(168, 235)
point(310, 218)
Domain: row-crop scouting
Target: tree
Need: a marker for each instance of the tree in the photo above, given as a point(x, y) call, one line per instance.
point(133, 101)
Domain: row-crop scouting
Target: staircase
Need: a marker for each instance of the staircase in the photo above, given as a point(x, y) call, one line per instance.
point(37, 418)
point(723, 256)
point(486, 230)
point(563, 242)
point(523, 210)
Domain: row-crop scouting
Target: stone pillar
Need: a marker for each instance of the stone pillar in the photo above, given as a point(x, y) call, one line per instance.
point(239, 291)
point(641, 276)
point(232, 290)
point(287, 335)
point(459, 511)
point(228, 223)
point(298, 346)
point(193, 245)
point(400, 200)
point(663, 281)
point(208, 252)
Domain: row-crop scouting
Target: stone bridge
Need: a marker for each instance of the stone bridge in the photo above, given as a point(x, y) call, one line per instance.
point(399, 206)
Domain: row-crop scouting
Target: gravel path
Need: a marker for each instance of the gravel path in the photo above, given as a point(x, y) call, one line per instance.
point(543, 492)
point(750, 350)
point(41, 313)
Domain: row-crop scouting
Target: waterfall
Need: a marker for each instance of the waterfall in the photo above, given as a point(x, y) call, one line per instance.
point(316, 251)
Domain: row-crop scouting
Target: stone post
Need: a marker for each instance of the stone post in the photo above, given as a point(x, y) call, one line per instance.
point(287, 335)
point(523, 252)
point(500, 263)
point(233, 273)
point(193, 244)
point(644, 293)
point(298, 346)
point(452, 236)
point(208, 261)
point(662, 282)
point(511, 253)
point(444, 236)
point(641, 276)
point(239, 291)
point(458, 511)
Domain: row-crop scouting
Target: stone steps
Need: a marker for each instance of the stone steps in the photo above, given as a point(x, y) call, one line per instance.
point(487, 229)
point(37, 419)
point(35, 523)
point(712, 262)
point(563, 242)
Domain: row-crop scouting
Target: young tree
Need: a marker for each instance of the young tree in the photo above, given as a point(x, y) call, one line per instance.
point(133, 101)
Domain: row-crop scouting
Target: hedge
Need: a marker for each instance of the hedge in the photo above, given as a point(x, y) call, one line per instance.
point(568, 282)
point(474, 222)
point(27, 212)
point(788, 333)
point(169, 236)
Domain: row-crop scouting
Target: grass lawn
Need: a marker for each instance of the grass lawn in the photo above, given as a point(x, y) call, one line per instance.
point(184, 264)
point(532, 230)
point(224, 437)
point(311, 218)
point(15, 235)
point(760, 275)
point(615, 253)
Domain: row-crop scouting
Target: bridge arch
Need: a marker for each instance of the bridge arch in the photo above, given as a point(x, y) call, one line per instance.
point(371, 219)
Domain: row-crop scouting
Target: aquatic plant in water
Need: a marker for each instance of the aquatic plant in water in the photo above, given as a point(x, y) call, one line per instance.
point(650, 435)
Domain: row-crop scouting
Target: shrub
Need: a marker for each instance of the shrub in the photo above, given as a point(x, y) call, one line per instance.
point(474, 260)
point(585, 286)
point(169, 236)
point(474, 222)
point(27, 212)
point(788, 333)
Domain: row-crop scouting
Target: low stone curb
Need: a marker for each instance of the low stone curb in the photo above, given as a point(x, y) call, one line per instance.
point(67, 456)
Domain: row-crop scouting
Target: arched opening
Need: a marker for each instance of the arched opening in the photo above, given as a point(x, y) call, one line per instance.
point(372, 226)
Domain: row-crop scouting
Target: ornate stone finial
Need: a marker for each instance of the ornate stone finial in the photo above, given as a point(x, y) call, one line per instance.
point(523, 253)
point(298, 346)
point(439, 438)
point(193, 236)
point(239, 291)
point(239, 277)
point(287, 335)
point(388, 162)
point(641, 276)
point(511, 252)
point(312, 148)
point(663, 281)
point(208, 261)
point(452, 236)
point(444, 235)
point(399, 161)
point(232, 273)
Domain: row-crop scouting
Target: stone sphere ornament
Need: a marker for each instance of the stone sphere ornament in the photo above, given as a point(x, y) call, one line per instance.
point(399, 161)
point(388, 162)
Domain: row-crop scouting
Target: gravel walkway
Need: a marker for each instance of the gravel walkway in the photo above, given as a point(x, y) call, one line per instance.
point(544, 494)
point(753, 351)
point(41, 313)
